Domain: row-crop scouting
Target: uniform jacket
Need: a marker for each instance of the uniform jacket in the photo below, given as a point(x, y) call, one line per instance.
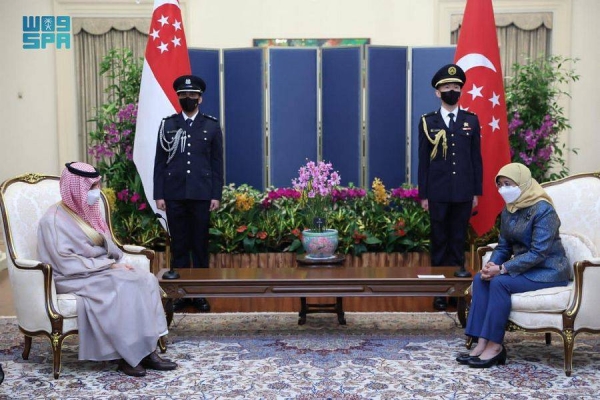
point(458, 177)
point(197, 172)
point(530, 237)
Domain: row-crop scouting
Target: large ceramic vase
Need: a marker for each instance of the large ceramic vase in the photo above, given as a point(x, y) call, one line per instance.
point(320, 245)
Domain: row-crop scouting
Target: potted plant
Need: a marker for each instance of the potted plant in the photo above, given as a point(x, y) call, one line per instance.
point(111, 147)
point(316, 182)
point(536, 116)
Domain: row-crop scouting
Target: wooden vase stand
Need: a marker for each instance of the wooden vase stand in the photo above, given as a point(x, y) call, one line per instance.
point(321, 308)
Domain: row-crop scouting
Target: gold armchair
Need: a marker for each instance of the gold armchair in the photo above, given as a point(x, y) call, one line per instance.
point(572, 309)
point(40, 310)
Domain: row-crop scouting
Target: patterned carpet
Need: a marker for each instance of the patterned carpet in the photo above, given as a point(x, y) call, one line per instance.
point(268, 356)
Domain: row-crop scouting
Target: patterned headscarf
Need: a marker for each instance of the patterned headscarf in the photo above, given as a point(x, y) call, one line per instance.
point(531, 191)
point(75, 182)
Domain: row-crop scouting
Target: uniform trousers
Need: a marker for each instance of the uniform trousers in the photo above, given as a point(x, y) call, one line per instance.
point(491, 303)
point(449, 224)
point(188, 224)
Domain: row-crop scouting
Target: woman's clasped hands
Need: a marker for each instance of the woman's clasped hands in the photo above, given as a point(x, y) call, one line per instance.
point(489, 271)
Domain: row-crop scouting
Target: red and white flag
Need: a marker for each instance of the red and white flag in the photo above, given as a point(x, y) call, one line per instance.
point(165, 60)
point(478, 55)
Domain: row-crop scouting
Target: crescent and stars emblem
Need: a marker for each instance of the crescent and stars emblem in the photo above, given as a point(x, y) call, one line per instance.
point(473, 60)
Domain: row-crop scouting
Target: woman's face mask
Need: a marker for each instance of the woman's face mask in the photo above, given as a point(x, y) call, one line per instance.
point(93, 196)
point(509, 193)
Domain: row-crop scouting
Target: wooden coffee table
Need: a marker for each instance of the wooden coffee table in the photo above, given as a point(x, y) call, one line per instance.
point(315, 281)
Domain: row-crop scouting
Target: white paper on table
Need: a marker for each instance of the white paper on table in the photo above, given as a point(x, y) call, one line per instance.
point(431, 276)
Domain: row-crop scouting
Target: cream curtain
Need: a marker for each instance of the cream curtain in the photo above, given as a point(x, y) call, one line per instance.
point(520, 36)
point(93, 39)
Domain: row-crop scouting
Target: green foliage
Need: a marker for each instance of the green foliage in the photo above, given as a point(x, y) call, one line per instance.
point(249, 221)
point(111, 146)
point(536, 117)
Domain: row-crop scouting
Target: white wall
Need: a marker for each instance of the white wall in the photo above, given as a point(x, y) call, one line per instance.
point(585, 106)
point(392, 22)
point(28, 100)
point(40, 128)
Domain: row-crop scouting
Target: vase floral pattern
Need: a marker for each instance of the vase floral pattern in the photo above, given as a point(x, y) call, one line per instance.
point(320, 245)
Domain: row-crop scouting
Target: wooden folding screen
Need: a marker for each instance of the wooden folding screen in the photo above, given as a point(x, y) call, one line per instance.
point(293, 102)
point(386, 115)
point(356, 107)
point(244, 117)
point(342, 111)
point(205, 64)
point(426, 61)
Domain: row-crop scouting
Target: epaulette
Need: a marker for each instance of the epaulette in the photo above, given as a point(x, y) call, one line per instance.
point(209, 117)
point(429, 114)
point(470, 112)
point(171, 116)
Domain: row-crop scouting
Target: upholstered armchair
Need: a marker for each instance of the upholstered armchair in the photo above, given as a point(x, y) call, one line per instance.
point(40, 310)
point(572, 309)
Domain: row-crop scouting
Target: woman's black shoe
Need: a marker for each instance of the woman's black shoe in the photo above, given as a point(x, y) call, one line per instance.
point(464, 358)
point(498, 359)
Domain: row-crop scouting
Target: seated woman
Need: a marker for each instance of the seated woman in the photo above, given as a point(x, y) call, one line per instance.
point(119, 310)
point(529, 256)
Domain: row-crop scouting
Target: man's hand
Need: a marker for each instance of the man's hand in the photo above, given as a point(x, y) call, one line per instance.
point(122, 265)
point(161, 205)
point(214, 205)
point(475, 201)
point(425, 204)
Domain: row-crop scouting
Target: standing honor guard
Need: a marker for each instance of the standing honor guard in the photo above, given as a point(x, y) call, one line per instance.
point(450, 170)
point(188, 177)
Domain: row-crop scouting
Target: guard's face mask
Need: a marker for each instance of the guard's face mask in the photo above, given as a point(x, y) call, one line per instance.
point(450, 97)
point(188, 104)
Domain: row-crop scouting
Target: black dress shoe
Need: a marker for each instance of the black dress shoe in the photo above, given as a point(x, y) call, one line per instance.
point(137, 371)
point(201, 304)
point(464, 358)
point(1, 374)
point(153, 361)
point(498, 359)
point(440, 303)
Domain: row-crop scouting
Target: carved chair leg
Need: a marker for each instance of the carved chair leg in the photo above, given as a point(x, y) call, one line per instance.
point(168, 306)
point(162, 345)
point(548, 338)
point(27, 347)
point(56, 355)
point(461, 311)
point(469, 342)
point(569, 344)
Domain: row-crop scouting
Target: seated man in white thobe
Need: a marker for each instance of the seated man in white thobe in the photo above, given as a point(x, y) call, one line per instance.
point(119, 311)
